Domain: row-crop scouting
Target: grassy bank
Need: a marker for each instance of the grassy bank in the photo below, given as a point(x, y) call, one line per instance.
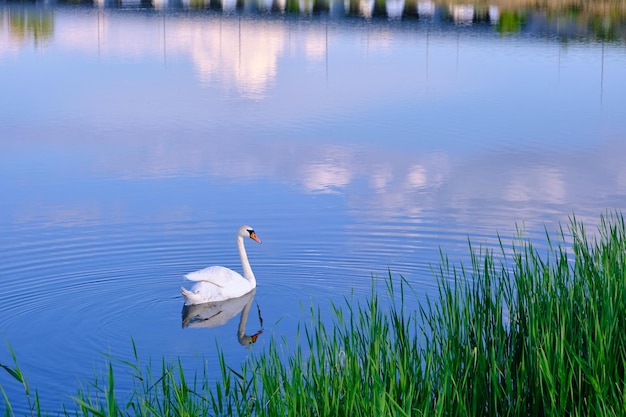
point(517, 333)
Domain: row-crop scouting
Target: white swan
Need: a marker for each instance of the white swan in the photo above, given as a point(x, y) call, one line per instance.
point(217, 283)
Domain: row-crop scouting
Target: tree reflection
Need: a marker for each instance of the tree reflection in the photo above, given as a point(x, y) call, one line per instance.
point(29, 22)
point(511, 21)
point(593, 20)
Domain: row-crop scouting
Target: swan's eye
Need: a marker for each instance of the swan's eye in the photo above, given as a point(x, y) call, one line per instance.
point(250, 231)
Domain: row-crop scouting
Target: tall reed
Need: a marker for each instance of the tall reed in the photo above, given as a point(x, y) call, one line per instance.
point(512, 334)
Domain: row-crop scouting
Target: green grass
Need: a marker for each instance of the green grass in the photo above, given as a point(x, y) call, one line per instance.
point(515, 333)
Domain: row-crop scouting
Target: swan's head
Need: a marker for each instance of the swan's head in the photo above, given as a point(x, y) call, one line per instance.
point(247, 231)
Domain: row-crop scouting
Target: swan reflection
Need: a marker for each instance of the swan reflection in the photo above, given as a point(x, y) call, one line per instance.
point(215, 314)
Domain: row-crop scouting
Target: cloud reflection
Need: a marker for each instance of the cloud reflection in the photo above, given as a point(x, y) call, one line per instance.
point(538, 183)
point(239, 56)
point(425, 172)
point(231, 53)
point(405, 183)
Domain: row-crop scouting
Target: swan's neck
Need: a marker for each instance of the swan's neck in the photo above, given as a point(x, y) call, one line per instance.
point(247, 271)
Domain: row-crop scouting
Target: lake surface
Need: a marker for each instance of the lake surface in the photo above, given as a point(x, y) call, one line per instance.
point(357, 138)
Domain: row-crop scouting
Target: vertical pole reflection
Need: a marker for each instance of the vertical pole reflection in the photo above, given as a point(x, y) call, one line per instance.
point(602, 75)
point(367, 43)
point(99, 17)
point(558, 75)
point(164, 44)
point(220, 54)
point(458, 35)
point(427, 45)
point(326, 49)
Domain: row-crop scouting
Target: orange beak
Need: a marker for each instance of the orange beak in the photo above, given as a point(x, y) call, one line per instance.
point(255, 336)
point(253, 237)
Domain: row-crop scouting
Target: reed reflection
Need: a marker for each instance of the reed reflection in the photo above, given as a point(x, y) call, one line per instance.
point(211, 315)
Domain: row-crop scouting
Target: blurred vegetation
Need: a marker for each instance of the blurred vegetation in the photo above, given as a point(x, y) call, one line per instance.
point(26, 23)
point(511, 21)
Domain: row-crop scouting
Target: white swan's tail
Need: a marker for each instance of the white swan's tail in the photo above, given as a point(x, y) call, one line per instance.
point(191, 297)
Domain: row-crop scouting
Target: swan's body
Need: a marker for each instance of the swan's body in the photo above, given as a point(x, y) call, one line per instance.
point(217, 283)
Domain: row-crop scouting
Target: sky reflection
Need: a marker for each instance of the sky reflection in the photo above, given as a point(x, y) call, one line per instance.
point(400, 119)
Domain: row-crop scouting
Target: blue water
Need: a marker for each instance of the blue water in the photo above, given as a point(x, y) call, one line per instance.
point(135, 141)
